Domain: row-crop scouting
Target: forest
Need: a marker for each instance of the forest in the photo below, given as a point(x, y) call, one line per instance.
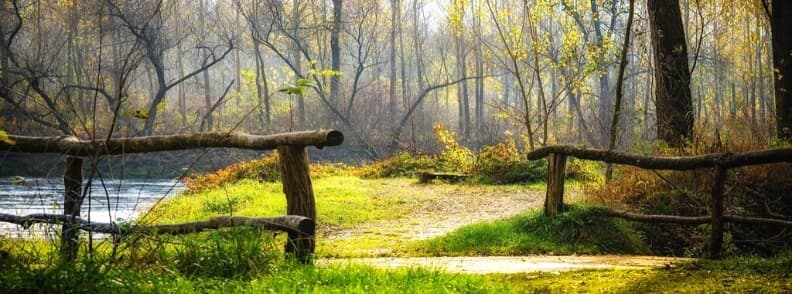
point(422, 145)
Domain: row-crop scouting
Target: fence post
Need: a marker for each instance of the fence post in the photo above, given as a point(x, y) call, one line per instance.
point(554, 199)
point(72, 196)
point(716, 206)
point(299, 198)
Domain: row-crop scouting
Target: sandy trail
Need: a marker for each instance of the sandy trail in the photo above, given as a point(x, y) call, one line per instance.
point(516, 264)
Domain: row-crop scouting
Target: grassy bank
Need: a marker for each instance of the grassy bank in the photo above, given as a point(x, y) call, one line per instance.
point(579, 230)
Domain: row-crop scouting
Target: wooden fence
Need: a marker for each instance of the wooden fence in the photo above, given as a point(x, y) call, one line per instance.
point(299, 223)
point(720, 162)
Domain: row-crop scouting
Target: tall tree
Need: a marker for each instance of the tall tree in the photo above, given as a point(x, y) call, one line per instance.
point(781, 27)
point(673, 103)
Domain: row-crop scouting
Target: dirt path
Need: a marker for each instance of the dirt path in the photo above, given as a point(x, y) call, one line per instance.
point(432, 210)
point(516, 264)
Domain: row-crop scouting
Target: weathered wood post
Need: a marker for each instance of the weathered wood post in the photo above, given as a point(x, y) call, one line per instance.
point(72, 200)
point(716, 206)
point(299, 198)
point(554, 199)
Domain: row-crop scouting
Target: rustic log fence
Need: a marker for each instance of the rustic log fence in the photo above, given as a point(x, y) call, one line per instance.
point(720, 162)
point(299, 223)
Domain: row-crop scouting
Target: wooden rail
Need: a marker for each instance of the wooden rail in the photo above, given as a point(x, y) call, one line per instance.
point(300, 222)
point(720, 162)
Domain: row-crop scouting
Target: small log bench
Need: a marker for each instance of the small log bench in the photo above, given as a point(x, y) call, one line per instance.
point(426, 177)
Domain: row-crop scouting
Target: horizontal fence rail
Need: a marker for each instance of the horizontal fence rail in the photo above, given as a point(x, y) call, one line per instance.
point(726, 160)
point(294, 224)
point(74, 146)
point(720, 162)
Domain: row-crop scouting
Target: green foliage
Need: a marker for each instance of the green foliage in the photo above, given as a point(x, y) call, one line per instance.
point(4, 138)
point(454, 156)
point(584, 170)
point(503, 164)
point(403, 164)
point(579, 230)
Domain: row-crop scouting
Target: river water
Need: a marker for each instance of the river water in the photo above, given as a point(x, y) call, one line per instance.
point(116, 200)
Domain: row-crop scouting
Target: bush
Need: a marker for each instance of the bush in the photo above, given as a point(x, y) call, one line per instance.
point(403, 164)
point(262, 169)
point(503, 164)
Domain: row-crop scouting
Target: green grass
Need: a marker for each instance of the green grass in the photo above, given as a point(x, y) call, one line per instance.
point(341, 201)
point(579, 230)
point(733, 275)
point(97, 277)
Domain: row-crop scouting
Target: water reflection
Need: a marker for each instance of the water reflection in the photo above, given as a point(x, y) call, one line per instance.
point(116, 200)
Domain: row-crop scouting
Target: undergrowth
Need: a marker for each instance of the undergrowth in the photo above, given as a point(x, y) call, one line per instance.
point(756, 191)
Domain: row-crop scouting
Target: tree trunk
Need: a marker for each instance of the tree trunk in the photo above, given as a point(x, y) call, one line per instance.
point(72, 200)
point(674, 104)
point(782, 62)
point(554, 199)
point(299, 196)
point(716, 209)
point(393, 102)
point(335, 52)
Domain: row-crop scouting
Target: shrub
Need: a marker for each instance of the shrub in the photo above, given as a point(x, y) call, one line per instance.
point(403, 164)
point(262, 169)
point(503, 164)
point(454, 157)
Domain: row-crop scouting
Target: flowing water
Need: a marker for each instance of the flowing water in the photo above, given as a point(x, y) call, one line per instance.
point(116, 200)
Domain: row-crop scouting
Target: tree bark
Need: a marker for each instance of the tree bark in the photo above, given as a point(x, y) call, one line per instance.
point(781, 27)
point(299, 196)
point(716, 209)
point(674, 104)
point(554, 199)
point(72, 200)
point(73, 146)
point(335, 52)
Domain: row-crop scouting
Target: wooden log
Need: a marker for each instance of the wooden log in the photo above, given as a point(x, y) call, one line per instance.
point(716, 208)
point(656, 218)
point(554, 198)
point(299, 197)
point(293, 224)
point(725, 160)
point(71, 145)
point(426, 177)
point(72, 200)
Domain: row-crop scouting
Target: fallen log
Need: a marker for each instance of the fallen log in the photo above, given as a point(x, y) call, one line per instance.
point(74, 146)
point(426, 177)
point(292, 224)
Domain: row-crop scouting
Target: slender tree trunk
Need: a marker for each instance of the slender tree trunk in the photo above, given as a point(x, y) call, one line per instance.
point(393, 101)
point(335, 52)
point(298, 62)
point(674, 104)
point(614, 128)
